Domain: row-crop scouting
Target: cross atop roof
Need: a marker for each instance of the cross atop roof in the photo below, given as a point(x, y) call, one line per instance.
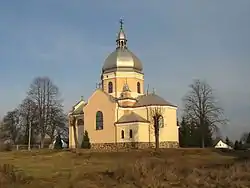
point(121, 23)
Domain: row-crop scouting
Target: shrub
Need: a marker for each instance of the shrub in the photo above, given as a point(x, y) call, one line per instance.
point(9, 175)
point(58, 143)
point(5, 146)
point(85, 142)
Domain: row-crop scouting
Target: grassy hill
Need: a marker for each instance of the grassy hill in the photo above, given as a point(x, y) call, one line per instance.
point(147, 169)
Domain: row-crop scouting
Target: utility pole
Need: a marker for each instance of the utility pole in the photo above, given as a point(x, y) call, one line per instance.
point(147, 89)
point(29, 136)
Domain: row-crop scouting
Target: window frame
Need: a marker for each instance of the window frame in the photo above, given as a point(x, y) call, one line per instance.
point(130, 133)
point(99, 120)
point(80, 120)
point(161, 118)
point(122, 134)
point(138, 87)
point(110, 87)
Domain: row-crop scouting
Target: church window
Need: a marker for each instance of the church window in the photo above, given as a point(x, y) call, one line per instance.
point(161, 122)
point(99, 120)
point(80, 122)
point(138, 87)
point(130, 133)
point(122, 134)
point(110, 89)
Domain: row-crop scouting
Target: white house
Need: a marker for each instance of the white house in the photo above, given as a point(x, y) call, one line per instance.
point(222, 145)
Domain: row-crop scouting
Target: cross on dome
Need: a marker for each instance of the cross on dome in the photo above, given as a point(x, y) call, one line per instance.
point(121, 40)
point(121, 24)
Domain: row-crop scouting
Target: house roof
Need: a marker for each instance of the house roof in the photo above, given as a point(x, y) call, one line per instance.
point(216, 141)
point(131, 117)
point(79, 109)
point(151, 100)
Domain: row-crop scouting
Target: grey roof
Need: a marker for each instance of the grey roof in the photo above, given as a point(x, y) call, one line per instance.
point(151, 100)
point(216, 140)
point(132, 117)
point(122, 59)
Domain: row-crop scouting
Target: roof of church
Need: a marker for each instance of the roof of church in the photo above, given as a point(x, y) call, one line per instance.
point(151, 100)
point(132, 117)
point(79, 110)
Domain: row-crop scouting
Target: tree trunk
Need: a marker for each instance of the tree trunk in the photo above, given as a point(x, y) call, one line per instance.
point(156, 127)
point(202, 134)
point(202, 142)
point(42, 140)
point(157, 141)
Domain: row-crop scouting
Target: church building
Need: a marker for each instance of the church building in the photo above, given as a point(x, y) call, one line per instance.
point(120, 114)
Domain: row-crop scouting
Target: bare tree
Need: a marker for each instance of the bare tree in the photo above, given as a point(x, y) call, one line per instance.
point(45, 94)
point(11, 128)
point(244, 137)
point(57, 121)
point(201, 107)
point(29, 115)
point(156, 114)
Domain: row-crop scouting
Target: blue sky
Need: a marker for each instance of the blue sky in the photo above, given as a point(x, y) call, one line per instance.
point(177, 41)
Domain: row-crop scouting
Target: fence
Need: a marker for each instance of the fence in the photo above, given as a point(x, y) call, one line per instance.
point(26, 147)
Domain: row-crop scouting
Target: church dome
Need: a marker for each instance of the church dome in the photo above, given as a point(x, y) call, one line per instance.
point(122, 58)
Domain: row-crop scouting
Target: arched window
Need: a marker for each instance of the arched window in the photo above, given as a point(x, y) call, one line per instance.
point(110, 89)
point(80, 122)
point(138, 87)
point(161, 122)
point(122, 134)
point(130, 133)
point(99, 120)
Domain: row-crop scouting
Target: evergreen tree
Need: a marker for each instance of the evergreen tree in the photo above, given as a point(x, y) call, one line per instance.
point(58, 143)
point(236, 145)
point(208, 140)
point(85, 142)
point(190, 134)
point(240, 145)
point(248, 139)
point(184, 133)
point(227, 141)
point(195, 136)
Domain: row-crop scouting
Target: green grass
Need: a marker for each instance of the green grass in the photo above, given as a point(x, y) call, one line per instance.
point(166, 168)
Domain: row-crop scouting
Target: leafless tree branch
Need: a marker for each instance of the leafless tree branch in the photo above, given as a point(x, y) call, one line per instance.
point(201, 107)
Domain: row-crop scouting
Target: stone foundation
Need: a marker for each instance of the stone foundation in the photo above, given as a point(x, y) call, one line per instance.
point(131, 145)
